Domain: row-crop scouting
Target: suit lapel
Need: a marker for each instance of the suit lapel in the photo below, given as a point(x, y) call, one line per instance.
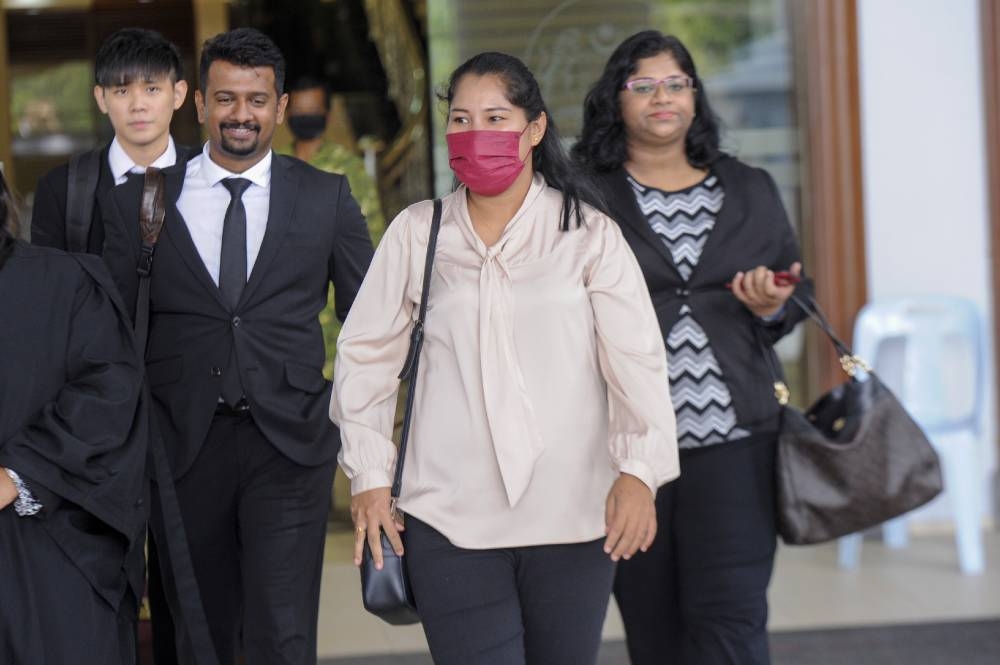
point(730, 216)
point(176, 231)
point(627, 210)
point(284, 189)
point(128, 198)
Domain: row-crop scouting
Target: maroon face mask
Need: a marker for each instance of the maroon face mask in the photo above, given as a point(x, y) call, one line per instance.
point(487, 161)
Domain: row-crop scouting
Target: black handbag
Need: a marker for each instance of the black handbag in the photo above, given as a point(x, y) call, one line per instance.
point(386, 593)
point(853, 460)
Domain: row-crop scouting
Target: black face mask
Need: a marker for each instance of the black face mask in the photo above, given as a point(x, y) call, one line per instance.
point(307, 126)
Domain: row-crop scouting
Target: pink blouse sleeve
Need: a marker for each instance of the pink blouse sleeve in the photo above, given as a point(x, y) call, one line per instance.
point(371, 350)
point(633, 360)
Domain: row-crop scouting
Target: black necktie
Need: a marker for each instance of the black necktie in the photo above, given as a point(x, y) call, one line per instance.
point(233, 260)
point(233, 274)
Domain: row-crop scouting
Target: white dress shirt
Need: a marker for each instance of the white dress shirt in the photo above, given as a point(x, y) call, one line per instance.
point(204, 200)
point(543, 375)
point(121, 164)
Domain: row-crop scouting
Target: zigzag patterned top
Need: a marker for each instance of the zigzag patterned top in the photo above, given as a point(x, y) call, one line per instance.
point(683, 220)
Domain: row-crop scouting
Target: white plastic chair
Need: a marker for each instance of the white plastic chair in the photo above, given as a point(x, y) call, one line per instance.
point(929, 351)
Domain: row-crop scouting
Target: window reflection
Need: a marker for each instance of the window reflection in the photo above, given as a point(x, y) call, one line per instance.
point(52, 109)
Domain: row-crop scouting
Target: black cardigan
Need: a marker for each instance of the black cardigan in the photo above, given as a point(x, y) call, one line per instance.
point(752, 229)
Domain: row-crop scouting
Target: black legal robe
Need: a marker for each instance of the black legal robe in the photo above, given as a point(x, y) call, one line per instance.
point(73, 425)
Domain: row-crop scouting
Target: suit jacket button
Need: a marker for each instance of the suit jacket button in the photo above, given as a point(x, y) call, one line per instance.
point(216, 371)
point(236, 322)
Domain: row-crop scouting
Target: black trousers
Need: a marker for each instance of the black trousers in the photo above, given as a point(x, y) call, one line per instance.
point(49, 612)
point(541, 605)
point(699, 595)
point(163, 633)
point(256, 527)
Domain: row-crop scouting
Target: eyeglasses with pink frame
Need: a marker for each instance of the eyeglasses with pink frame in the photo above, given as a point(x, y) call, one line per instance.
point(674, 85)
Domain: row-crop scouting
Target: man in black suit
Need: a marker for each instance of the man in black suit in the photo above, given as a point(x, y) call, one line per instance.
point(139, 85)
point(250, 244)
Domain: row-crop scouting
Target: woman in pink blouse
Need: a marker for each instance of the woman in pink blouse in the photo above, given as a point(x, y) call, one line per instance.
point(542, 425)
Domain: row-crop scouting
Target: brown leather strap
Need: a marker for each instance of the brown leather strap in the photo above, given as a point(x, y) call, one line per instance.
point(184, 595)
point(151, 214)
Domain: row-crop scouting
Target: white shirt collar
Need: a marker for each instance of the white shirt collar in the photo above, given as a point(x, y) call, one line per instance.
point(121, 164)
point(259, 174)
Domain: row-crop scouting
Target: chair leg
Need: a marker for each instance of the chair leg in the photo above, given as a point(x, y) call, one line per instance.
point(849, 551)
point(962, 481)
point(894, 533)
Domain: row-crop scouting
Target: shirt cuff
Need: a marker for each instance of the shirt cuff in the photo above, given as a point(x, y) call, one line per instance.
point(25, 505)
point(774, 318)
point(640, 470)
point(369, 480)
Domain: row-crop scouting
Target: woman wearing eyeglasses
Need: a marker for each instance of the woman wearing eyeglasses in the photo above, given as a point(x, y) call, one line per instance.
point(721, 261)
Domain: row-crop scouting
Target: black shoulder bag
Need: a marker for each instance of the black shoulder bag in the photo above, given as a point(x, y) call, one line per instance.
point(386, 593)
point(853, 460)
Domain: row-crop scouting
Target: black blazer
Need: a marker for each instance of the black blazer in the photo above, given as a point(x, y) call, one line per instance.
point(73, 421)
point(315, 235)
point(48, 215)
point(752, 229)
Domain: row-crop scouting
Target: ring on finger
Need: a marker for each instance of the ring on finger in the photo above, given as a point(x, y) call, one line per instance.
point(360, 529)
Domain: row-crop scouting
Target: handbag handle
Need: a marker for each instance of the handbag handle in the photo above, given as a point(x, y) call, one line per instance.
point(409, 371)
point(849, 362)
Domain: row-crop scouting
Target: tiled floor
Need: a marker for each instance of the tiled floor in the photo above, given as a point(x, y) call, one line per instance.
point(919, 583)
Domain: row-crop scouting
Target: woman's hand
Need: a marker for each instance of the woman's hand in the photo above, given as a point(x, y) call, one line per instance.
point(370, 513)
point(756, 289)
point(630, 516)
point(8, 491)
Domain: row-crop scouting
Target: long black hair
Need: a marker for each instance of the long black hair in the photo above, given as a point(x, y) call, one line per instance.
point(548, 157)
point(8, 220)
point(602, 145)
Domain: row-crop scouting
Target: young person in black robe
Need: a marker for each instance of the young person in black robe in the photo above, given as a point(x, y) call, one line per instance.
point(72, 452)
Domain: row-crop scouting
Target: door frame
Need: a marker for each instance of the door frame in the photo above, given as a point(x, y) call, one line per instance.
point(833, 235)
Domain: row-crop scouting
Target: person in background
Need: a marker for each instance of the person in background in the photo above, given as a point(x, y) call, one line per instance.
point(542, 425)
point(720, 260)
point(72, 457)
point(139, 83)
point(309, 115)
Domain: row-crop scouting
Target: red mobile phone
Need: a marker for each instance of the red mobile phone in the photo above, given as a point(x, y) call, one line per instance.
point(781, 278)
point(785, 278)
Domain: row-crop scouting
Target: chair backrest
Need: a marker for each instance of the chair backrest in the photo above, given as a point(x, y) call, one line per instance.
point(929, 351)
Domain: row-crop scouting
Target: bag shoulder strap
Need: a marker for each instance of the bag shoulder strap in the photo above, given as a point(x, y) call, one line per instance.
point(81, 188)
point(151, 214)
point(850, 362)
point(409, 371)
point(175, 555)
